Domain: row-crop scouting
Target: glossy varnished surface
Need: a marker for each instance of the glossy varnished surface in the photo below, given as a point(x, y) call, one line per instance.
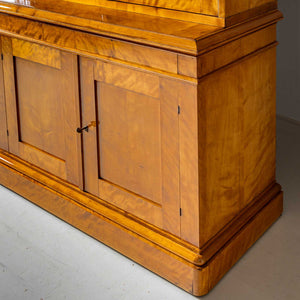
point(209, 7)
point(214, 12)
point(176, 167)
point(237, 143)
point(165, 255)
point(105, 19)
point(42, 117)
point(256, 276)
point(135, 146)
point(179, 35)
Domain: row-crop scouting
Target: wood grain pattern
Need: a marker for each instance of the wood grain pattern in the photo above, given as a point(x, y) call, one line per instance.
point(71, 109)
point(238, 156)
point(141, 29)
point(208, 10)
point(259, 123)
point(129, 140)
point(194, 39)
point(166, 257)
point(236, 49)
point(99, 47)
point(174, 164)
point(136, 144)
point(3, 123)
point(241, 242)
point(189, 162)
point(220, 177)
point(32, 100)
point(209, 249)
point(235, 32)
point(232, 7)
point(131, 203)
point(43, 112)
point(170, 156)
point(52, 164)
point(251, 13)
point(129, 79)
point(170, 243)
point(105, 229)
point(116, 13)
point(208, 7)
point(141, 55)
point(36, 53)
point(187, 65)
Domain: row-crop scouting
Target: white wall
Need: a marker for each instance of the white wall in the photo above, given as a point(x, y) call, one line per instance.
point(288, 60)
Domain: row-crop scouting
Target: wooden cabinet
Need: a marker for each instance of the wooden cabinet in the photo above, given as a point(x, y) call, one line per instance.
point(152, 133)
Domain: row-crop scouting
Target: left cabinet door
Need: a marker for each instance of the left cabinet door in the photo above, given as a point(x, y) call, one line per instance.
point(43, 109)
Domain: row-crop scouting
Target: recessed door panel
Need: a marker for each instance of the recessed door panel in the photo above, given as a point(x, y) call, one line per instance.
point(40, 100)
point(43, 107)
point(129, 140)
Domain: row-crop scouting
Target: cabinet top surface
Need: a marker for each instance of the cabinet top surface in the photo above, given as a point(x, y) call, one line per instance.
point(161, 32)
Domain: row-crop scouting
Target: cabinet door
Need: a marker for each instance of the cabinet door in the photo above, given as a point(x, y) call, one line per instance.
point(131, 156)
point(42, 101)
point(3, 122)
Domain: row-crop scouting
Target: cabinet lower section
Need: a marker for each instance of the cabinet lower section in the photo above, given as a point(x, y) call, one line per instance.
point(192, 269)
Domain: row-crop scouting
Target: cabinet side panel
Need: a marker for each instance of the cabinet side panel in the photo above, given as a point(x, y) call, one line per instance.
point(259, 123)
point(220, 128)
point(239, 121)
point(3, 121)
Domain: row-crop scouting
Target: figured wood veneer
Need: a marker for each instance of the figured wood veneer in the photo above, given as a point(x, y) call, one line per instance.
point(154, 135)
point(41, 116)
point(212, 12)
point(171, 258)
point(208, 7)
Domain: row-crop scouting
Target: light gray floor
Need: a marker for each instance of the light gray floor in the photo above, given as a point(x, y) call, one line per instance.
point(42, 257)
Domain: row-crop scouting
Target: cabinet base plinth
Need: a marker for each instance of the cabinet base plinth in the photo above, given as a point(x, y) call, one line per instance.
point(179, 263)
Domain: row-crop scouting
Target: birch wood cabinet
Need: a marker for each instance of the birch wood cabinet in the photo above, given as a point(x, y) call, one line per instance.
point(149, 125)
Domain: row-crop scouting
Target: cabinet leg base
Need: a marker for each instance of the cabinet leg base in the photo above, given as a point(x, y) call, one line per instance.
point(165, 255)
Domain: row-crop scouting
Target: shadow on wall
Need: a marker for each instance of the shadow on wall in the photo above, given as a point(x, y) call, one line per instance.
point(288, 62)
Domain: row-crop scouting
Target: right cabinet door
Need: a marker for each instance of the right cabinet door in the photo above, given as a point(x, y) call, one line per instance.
point(130, 145)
